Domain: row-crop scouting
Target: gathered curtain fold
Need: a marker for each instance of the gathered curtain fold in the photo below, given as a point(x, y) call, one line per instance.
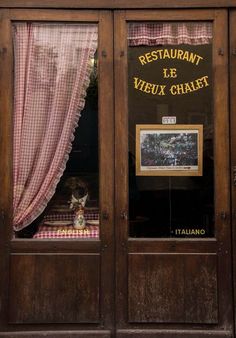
point(162, 33)
point(53, 63)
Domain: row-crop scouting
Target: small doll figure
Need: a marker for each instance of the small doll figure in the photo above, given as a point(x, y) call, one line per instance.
point(79, 220)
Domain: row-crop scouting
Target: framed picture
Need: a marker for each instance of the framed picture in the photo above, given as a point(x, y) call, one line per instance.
point(169, 150)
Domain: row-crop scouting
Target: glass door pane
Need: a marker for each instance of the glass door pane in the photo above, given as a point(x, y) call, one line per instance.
point(171, 138)
point(56, 167)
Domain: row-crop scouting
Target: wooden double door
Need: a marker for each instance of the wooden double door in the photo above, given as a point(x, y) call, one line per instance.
point(163, 263)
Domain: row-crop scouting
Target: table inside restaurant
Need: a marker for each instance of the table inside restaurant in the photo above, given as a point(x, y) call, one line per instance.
point(60, 225)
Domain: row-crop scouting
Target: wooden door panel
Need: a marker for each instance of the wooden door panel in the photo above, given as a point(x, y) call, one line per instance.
point(166, 288)
point(54, 288)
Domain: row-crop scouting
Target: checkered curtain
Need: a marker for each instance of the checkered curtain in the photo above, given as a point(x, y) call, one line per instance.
point(157, 33)
point(52, 69)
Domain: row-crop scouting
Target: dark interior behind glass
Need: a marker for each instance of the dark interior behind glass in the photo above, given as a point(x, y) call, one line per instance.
point(171, 206)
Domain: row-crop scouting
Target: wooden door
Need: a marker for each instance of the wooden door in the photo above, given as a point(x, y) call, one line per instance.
point(172, 220)
point(173, 231)
point(57, 287)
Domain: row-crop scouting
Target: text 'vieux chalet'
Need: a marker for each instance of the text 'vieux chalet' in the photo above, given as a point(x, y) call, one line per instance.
point(174, 89)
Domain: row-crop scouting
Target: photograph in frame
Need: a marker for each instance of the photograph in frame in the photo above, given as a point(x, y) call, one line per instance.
point(169, 150)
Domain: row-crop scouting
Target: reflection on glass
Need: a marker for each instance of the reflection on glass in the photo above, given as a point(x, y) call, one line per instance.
point(170, 81)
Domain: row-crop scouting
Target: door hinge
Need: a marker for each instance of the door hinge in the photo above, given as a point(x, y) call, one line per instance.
point(234, 175)
point(123, 215)
point(123, 245)
point(221, 51)
point(2, 218)
point(104, 247)
point(222, 215)
point(3, 51)
point(105, 215)
point(104, 54)
point(234, 51)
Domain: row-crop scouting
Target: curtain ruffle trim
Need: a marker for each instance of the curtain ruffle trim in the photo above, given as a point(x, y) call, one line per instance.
point(151, 34)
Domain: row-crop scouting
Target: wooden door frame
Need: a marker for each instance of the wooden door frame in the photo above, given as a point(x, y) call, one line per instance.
point(103, 247)
point(117, 4)
point(232, 82)
point(220, 247)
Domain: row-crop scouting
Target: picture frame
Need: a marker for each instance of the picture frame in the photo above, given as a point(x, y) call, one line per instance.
point(169, 150)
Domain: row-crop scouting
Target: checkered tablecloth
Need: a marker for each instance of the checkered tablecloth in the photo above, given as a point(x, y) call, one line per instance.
point(89, 214)
point(66, 232)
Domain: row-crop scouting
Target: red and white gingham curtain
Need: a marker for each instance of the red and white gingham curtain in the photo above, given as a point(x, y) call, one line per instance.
point(158, 33)
point(52, 69)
